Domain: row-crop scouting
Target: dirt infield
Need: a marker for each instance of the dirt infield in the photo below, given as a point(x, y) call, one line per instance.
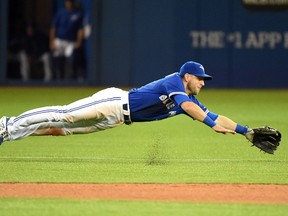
point(224, 193)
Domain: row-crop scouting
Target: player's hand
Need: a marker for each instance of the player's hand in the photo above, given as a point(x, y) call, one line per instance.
point(217, 128)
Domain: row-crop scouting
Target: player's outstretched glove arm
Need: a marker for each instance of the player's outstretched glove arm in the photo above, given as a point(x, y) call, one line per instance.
point(265, 138)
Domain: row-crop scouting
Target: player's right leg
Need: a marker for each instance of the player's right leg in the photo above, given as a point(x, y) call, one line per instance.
point(28, 122)
point(51, 119)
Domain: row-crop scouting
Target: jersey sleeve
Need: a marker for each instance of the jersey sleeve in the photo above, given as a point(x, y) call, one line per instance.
point(180, 98)
point(174, 86)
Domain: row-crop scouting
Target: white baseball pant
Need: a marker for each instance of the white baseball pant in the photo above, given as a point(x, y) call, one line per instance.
point(100, 111)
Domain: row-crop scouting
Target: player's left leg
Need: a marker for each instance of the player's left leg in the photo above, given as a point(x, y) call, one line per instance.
point(101, 113)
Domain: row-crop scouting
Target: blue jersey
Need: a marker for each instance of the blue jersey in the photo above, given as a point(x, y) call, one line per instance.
point(67, 24)
point(158, 100)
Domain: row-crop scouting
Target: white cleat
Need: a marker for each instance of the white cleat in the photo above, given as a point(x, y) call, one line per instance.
point(3, 129)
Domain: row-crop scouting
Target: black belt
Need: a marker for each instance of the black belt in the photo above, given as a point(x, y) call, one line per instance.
point(127, 119)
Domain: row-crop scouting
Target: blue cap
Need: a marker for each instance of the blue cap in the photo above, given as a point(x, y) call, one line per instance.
point(195, 69)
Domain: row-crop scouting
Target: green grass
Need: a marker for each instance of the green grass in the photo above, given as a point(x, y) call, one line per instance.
point(59, 207)
point(176, 150)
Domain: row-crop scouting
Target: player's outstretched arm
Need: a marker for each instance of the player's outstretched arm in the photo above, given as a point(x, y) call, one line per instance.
point(226, 122)
point(219, 129)
point(193, 110)
point(197, 113)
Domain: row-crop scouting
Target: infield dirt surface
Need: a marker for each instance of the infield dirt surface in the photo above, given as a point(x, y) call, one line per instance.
point(221, 193)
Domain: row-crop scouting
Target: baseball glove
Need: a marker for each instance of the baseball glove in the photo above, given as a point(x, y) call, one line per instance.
point(265, 138)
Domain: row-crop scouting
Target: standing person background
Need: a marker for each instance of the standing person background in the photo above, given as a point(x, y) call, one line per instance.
point(30, 47)
point(66, 37)
point(36, 48)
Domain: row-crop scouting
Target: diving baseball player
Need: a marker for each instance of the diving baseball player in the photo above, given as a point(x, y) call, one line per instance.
point(167, 97)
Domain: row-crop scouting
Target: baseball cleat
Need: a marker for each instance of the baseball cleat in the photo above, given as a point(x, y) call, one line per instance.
point(3, 129)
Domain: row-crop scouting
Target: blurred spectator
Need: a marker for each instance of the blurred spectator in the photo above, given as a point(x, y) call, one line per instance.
point(30, 48)
point(66, 37)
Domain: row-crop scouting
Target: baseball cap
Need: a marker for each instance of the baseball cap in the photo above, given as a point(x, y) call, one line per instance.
point(195, 69)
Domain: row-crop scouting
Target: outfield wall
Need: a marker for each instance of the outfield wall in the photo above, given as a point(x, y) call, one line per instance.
point(136, 41)
point(142, 40)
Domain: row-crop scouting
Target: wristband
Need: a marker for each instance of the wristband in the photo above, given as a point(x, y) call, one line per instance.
point(240, 129)
point(209, 122)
